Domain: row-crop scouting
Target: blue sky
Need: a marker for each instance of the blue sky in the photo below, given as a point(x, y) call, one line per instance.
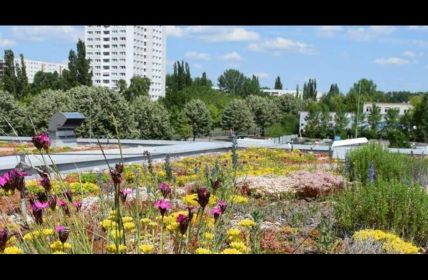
point(395, 57)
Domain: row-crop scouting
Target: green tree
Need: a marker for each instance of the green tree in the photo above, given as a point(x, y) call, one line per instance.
point(152, 119)
point(83, 69)
point(278, 84)
point(363, 91)
point(392, 118)
point(374, 118)
point(341, 121)
point(122, 86)
point(139, 86)
point(310, 90)
point(12, 116)
point(232, 81)
point(407, 124)
point(22, 79)
point(251, 86)
point(199, 117)
point(288, 104)
point(180, 78)
point(237, 117)
point(420, 119)
point(183, 129)
point(45, 80)
point(265, 111)
point(98, 104)
point(203, 81)
point(70, 75)
point(10, 81)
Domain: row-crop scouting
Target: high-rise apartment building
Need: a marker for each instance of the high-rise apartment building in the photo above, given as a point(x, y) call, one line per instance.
point(34, 66)
point(122, 52)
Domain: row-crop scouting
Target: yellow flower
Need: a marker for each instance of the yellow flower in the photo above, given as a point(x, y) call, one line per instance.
point(111, 248)
point(190, 199)
point(47, 232)
point(247, 223)
point(210, 222)
point(11, 241)
point(147, 248)
point(12, 250)
point(31, 235)
point(202, 251)
point(213, 200)
point(234, 234)
point(240, 246)
point(107, 224)
point(58, 253)
point(127, 219)
point(129, 226)
point(239, 199)
point(231, 251)
point(145, 221)
point(208, 236)
point(116, 234)
point(153, 224)
point(57, 246)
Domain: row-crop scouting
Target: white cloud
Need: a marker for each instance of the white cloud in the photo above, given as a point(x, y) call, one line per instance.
point(364, 34)
point(280, 44)
point(232, 56)
point(6, 42)
point(174, 31)
point(214, 33)
point(409, 54)
point(261, 75)
point(197, 56)
point(422, 28)
point(328, 31)
point(42, 33)
point(391, 61)
point(197, 65)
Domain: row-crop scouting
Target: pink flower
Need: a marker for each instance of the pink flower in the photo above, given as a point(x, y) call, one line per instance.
point(40, 205)
point(183, 221)
point(222, 205)
point(216, 212)
point(41, 141)
point(165, 189)
point(78, 205)
point(203, 197)
point(62, 233)
point(123, 193)
point(4, 179)
point(163, 205)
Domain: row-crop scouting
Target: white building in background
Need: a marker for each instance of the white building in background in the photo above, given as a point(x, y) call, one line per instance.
point(34, 66)
point(293, 92)
point(304, 119)
point(122, 52)
point(384, 107)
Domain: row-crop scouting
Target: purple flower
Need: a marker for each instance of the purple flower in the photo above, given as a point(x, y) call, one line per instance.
point(39, 205)
point(124, 193)
point(52, 202)
point(63, 233)
point(203, 196)
point(165, 189)
point(4, 179)
point(222, 205)
point(4, 236)
point(46, 182)
point(78, 205)
point(37, 209)
point(41, 141)
point(163, 205)
point(67, 194)
point(183, 222)
point(215, 184)
point(116, 174)
point(64, 207)
point(216, 212)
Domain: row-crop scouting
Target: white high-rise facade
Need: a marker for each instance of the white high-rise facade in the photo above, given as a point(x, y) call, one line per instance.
point(34, 66)
point(121, 52)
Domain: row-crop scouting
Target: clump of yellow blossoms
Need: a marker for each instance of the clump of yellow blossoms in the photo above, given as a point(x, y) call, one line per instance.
point(48, 232)
point(58, 246)
point(116, 234)
point(239, 199)
point(234, 234)
point(213, 200)
point(202, 251)
point(247, 223)
point(13, 250)
point(113, 249)
point(127, 219)
point(231, 251)
point(129, 226)
point(31, 235)
point(58, 253)
point(240, 246)
point(191, 199)
point(108, 224)
point(208, 236)
point(145, 221)
point(147, 248)
point(391, 242)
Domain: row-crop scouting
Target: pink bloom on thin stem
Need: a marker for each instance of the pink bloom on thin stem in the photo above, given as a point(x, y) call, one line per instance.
point(163, 205)
point(222, 205)
point(123, 193)
point(216, 212)
point(183, 222)
point(78, 205)
point(41, 141)
point(165, 189)
point(40, 205)
point(63, 233)
point(4, 179)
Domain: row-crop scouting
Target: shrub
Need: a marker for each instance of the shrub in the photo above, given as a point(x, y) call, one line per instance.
point(388, 165)
point(392, 206)
point(317, 184)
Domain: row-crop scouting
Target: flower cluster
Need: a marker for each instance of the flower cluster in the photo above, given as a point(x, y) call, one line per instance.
point(391, 242)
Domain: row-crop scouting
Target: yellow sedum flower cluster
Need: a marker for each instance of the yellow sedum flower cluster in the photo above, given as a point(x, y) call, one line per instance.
point(147, 248)
point(13, 250)
point(112, 248)
point(202, 251)
point(239, 199)
point(247, 223)
point(391, 242)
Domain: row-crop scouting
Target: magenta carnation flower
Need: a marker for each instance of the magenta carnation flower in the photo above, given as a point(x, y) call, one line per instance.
point(203, 197)
point(216, 212)
point(41, 141)
point(163, 205)
point(183, 222)
point(165, 189)
point(63, 233)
